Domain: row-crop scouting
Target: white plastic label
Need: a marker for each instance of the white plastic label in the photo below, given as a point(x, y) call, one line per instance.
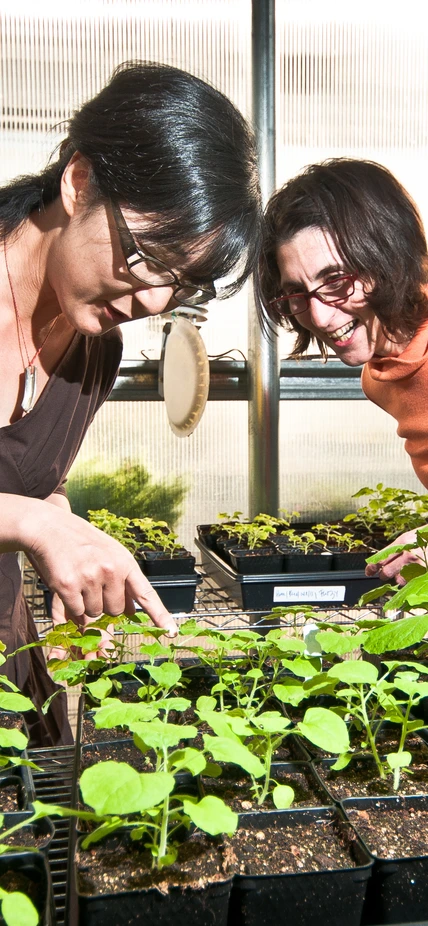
point(311, 593)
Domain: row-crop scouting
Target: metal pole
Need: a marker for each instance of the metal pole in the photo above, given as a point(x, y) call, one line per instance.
point(263, 360)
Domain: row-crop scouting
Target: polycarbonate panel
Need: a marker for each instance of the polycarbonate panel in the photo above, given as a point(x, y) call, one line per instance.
point(352, 80)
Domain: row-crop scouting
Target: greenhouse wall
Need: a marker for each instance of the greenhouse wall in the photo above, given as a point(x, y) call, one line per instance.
point(352, 79)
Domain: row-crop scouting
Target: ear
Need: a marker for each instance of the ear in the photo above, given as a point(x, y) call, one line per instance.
point(74, 182)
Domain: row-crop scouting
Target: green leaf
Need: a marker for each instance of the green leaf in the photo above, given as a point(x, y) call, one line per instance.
point(15, 702)
point(161, 735)
point(290, 645)
point(190, 759)
point(18, 910)
point(99, 689)
point(220, 723)
point(126, 667)
point(399, 759)
point(90, 641)
point(282, 796)
point(303, 668)
point(388, 551)
point(117, 788)
point(412, 595)
point(173, 704)
point(397, 635)
point(206, 703)
point(375, 593)
point(212, 815)
point(355, 672)
point(291, 692)
point(412, 570)
point(339, 643)
point(14, 738)
point(115, 713)
point(271, 722)
point(189, 627)
point(167, 674)
point(343, 760)
point(224, 749)
point(325, 729)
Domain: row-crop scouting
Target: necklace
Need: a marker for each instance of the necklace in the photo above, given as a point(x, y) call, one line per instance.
point(30, 371)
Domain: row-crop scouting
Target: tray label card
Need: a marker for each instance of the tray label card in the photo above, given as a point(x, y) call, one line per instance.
point(310, 593)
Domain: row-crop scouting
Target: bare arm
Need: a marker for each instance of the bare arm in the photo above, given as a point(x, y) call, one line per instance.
point(90, 572)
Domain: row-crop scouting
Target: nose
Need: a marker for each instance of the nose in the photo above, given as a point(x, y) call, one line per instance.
point(155, 299)
point(320, 312)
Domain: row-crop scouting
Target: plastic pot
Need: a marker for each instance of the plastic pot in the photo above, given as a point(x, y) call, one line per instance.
point(299, 898)
point(398, 889)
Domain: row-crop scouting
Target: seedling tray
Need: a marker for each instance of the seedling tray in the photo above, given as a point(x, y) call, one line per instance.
point(263, 592)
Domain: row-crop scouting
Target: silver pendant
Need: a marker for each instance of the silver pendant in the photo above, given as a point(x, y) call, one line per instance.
point(30, 388)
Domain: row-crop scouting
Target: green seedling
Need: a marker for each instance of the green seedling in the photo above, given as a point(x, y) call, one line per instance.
point(390, 511)
point(146, 803)
point(115, 526)
point(251, 742)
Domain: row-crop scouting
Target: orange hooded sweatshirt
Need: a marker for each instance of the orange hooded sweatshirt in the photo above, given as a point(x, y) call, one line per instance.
point(399, 385)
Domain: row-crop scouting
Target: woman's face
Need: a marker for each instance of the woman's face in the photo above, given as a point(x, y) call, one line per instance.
point(350, 329)
point(88, 276)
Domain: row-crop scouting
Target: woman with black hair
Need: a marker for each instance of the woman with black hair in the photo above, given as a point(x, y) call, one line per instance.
point(345, 265)
point(153, 198)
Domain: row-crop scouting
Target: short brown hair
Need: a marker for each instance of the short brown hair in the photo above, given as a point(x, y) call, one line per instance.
point(376, 228)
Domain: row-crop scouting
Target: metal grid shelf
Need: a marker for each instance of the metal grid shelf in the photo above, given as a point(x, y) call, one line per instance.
point(213, 606)
point(53, 785)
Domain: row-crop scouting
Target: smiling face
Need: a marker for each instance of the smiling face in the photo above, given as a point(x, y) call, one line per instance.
point(349, 328)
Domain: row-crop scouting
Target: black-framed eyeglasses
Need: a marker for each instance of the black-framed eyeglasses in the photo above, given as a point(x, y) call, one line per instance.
point(152, 271)
point(332, 293)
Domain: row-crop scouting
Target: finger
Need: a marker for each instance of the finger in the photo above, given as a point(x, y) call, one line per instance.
point(145, 596)
point(106, 645)
point(58, 617)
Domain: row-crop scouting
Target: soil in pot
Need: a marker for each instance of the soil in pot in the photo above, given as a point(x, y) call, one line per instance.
point(302, 868)
point(361, 779)
point(115, 880)
point(13, 721)
point(395, 831)
point(117, 751)
point(392, 830)
point(12, 794)
point(291, 847)
point(234, 787)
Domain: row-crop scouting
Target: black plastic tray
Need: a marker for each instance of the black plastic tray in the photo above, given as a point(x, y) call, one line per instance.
point(263, 592)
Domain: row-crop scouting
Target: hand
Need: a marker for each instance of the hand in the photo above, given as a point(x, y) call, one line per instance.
point(59, 617)
point(389, 569)
point(90, 573)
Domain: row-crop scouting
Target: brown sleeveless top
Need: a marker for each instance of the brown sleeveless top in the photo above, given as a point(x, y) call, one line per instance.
point(36, 453)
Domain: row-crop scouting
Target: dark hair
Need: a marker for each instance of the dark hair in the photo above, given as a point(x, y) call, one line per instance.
point(376, 229)
point(164, 143)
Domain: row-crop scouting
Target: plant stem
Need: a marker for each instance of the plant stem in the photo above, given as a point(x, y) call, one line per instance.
point(163, 838)
point(370, 736)
point(397, 771)
point(267, 763)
